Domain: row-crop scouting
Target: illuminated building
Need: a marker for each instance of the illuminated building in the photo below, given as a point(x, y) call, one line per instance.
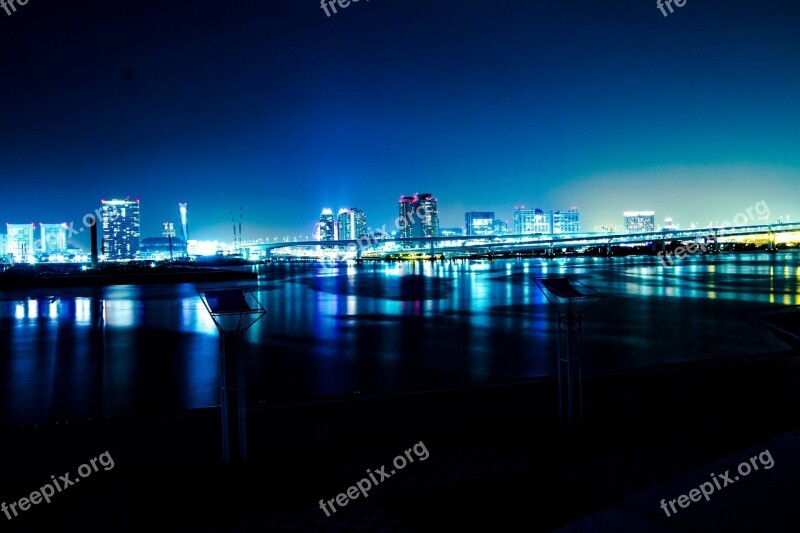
point(407, 219)
point(160, 248)
point(327, 227)
point(418, 216)
point(53, 238)
point(121, 228)
point(567, 221)
point(531, 221)
point(203, 248)
point(479, 223)
point(640, 221)
point(20, 242)
point(500, 227)
point(430, 215)
point(351, 224)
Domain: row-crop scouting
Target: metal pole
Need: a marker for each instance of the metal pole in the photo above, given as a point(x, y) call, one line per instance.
point(570, 406)
point(559, 362)
point(232, 392)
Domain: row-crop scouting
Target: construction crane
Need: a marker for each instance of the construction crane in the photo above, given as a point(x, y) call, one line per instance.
point(237, 236)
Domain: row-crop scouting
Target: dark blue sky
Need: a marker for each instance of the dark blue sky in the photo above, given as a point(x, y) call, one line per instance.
point(486, 104)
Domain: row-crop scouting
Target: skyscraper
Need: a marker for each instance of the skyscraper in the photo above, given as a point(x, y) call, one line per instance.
point(351, 224)
point(53, 238)
point(327, 227)
point(407, 220)
point(19, 241)
point(479, 223)
point(640, 221)
point(429, 213)
point(121, 228)
point(418, 216)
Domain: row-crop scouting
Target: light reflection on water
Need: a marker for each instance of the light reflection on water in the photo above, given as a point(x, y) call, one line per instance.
point(333, 329)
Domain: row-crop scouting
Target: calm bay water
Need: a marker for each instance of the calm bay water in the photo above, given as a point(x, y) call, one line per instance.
point(71, 354)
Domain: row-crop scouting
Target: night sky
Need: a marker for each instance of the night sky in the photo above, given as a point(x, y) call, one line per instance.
point(608, 106)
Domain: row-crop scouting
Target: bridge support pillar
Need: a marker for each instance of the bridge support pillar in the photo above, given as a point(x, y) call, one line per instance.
point(433, 250)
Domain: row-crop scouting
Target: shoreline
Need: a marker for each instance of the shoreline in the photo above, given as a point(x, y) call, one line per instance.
point(9, 281)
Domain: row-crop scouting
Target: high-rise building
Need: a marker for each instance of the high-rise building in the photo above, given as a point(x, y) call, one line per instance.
point(53, 238)
point(429, 212)
point(418, 216)
point(121, 228)
point(640, 221)
point(479, 223)
point(531, 221)
point(351, 224)
point(327, 227)
point(429, 215)
point(407, 220)
point(567, 221)
point(20, 241)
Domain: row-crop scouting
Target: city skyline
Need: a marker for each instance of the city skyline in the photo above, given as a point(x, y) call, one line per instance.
point(545, 221)
point(270, 254)
point(574, 116)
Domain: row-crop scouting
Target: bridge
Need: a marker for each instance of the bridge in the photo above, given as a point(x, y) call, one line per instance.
point(378, 246)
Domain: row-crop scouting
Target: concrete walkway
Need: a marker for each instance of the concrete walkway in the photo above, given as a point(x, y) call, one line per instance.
point(762, 500)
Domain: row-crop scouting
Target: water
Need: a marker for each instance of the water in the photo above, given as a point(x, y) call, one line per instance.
point(72, 354)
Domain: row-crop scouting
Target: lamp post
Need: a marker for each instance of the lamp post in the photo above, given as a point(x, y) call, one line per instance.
point(571, 299)
point(233, 312)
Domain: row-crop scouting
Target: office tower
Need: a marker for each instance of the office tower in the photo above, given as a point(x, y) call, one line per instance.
point(53, 238)
point(479, 223)
point(121, 228)
point(531, 221)
point(407, 220)
point(327, 227)
point(640, 221)
point(351, 224)
point(567, 221)
point(429, 212)
point(20, 242)
point(418, 216)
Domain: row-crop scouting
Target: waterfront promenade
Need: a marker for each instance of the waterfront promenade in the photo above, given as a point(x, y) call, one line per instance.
point(498, 457)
